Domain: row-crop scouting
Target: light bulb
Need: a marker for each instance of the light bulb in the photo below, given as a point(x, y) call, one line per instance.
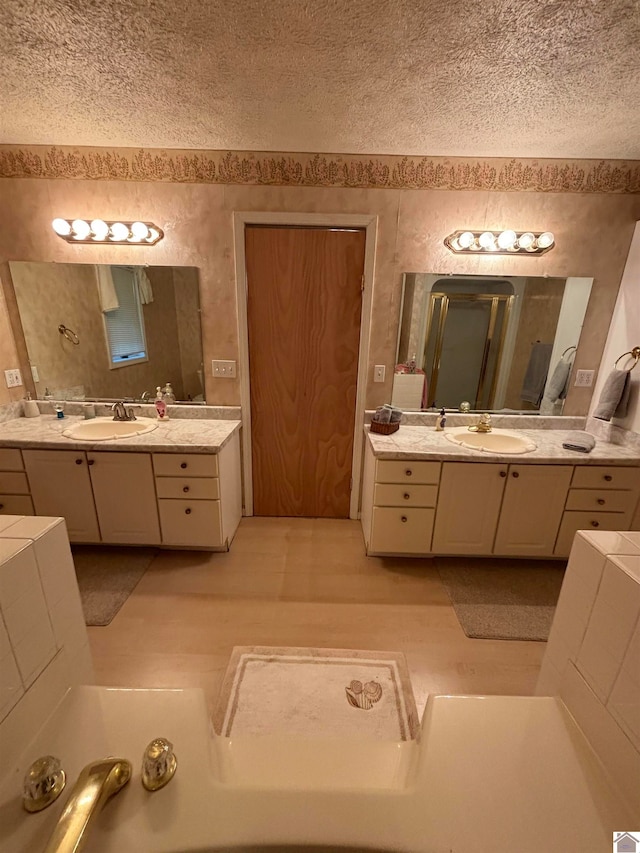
point(100, 229)
point(153, 235)
point(526, 240)
point(119, 231)
point(81, 229)
point(487, 240)
point(507, 239)
point(466, 240)
point(545, 240)
point(61, 227)
point(139, 230)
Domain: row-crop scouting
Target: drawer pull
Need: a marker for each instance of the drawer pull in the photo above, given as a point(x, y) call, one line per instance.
point(408, 472)
point(515, 474)
point(404, 519)
point(91, 461)
point(183, 464)
point(406, 496)
point(601, 501)
point(187, 511)
point(595, 524)
point(1, 506)
point(608, 478)
point(503, 473)
point(185, 489)
point(78, 461)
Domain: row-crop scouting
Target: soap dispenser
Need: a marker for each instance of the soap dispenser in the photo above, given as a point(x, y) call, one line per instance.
point(441, 421)
point(161, 406)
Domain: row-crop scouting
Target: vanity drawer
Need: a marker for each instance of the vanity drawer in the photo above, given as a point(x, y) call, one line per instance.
point(394, 494)
point(401, 531)
point(16, 505)
point(185, 464)
point(600, 477)
point(397, 471)
point(574, 521)
point(188, 488)
point(10, 459)
point(14, 483)
point(190, 523)
point(603, 500)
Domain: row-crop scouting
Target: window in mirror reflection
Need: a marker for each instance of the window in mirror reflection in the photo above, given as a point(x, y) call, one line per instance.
point(88, 299)
point(501, 343)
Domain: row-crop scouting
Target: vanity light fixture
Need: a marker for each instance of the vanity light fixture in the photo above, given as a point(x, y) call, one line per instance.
point(506, 242)
point(98, 231)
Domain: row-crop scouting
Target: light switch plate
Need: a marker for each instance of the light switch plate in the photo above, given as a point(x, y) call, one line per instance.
point(34, 373)
point(378, 372)
point(584, 378)
point(13, 378)
point(224, 369)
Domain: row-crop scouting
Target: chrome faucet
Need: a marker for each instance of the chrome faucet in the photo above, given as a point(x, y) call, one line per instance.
point(483, 425)
point(121, 413)
point(96, 783)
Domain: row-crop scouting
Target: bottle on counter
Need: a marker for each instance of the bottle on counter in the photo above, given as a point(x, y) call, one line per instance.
point(167, 395)
point(161, 406)
point(30, 407)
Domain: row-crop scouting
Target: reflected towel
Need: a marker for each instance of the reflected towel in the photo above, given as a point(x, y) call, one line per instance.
point(582, 441)
point(614, 397)
point(536, 376)
point(145, 291)
point(106, 288)
point(558, 385)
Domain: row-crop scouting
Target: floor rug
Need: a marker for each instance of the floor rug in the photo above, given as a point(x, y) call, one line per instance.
point(503, 599)
point(317, 693)
point(106, 578)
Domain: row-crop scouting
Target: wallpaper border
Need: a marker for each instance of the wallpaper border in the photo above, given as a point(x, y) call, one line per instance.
point(319, 170)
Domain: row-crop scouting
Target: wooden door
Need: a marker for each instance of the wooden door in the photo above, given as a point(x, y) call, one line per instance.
point(304, 303)
point(60, 485)
point(124, 492)
point(532, 509)
point(468, 507)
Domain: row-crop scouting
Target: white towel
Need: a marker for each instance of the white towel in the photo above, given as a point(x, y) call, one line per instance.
point(106, 288)
point(614, 397)
point(145, 291)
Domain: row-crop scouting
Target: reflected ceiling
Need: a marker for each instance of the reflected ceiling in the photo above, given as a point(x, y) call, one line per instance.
point(535, 78)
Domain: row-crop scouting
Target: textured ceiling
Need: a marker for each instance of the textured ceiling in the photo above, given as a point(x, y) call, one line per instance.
point(515, 78)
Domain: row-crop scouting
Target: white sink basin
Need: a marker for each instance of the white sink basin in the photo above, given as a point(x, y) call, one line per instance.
point(106, 429)
point(496, 441)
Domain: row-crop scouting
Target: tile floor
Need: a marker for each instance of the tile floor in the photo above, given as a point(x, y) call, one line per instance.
point(299, 582)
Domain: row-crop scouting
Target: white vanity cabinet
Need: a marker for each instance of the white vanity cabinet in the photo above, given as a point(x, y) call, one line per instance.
point(103, 496)
point(14, 485)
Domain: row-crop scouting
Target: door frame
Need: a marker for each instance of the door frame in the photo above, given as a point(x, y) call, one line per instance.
point(369, 223)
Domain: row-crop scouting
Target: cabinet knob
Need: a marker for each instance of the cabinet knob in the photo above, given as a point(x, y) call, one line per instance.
point(406, 496)
point(515, 474)
point(187, 511)
point(601, 501)
point(91, 462)
point(78, 461)
point(185, 489)
point(1, 506)
point(608, 478)
point(404, 519)
point(183, 464)
point(503, 473)
point(408, 472)
point(595, 524)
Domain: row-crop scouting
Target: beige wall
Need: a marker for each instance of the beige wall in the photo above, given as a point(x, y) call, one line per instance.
point(593, 233)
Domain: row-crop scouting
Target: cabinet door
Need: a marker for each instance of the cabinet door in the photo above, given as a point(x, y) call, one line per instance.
point(468, 507)
point(532, 509)
point(60, 486)
point(125, 497)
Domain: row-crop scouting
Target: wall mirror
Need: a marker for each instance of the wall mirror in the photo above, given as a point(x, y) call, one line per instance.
point(107, 332)
point(500, 343)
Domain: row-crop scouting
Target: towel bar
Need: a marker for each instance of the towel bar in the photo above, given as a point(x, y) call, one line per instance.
point(68, 334)
point(634, 353)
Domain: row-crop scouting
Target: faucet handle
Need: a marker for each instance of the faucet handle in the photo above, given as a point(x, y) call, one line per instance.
point(159, 763)
point(43, 783)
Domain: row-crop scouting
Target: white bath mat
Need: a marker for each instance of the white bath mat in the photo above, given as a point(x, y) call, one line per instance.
point(317, 693)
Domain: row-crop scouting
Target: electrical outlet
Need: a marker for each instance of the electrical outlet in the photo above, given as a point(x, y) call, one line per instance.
point(378, 372)
point(13, 378)
point(584, 378)
point(224, 369)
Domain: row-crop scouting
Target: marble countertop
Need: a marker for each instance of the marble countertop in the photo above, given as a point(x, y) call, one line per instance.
point(175, 436)
point(419, 442)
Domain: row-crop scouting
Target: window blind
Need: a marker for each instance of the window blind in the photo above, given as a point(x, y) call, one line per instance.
point(124, 325)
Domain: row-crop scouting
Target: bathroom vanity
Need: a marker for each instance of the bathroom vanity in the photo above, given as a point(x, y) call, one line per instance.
point(178, 486)
point(423, 495)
